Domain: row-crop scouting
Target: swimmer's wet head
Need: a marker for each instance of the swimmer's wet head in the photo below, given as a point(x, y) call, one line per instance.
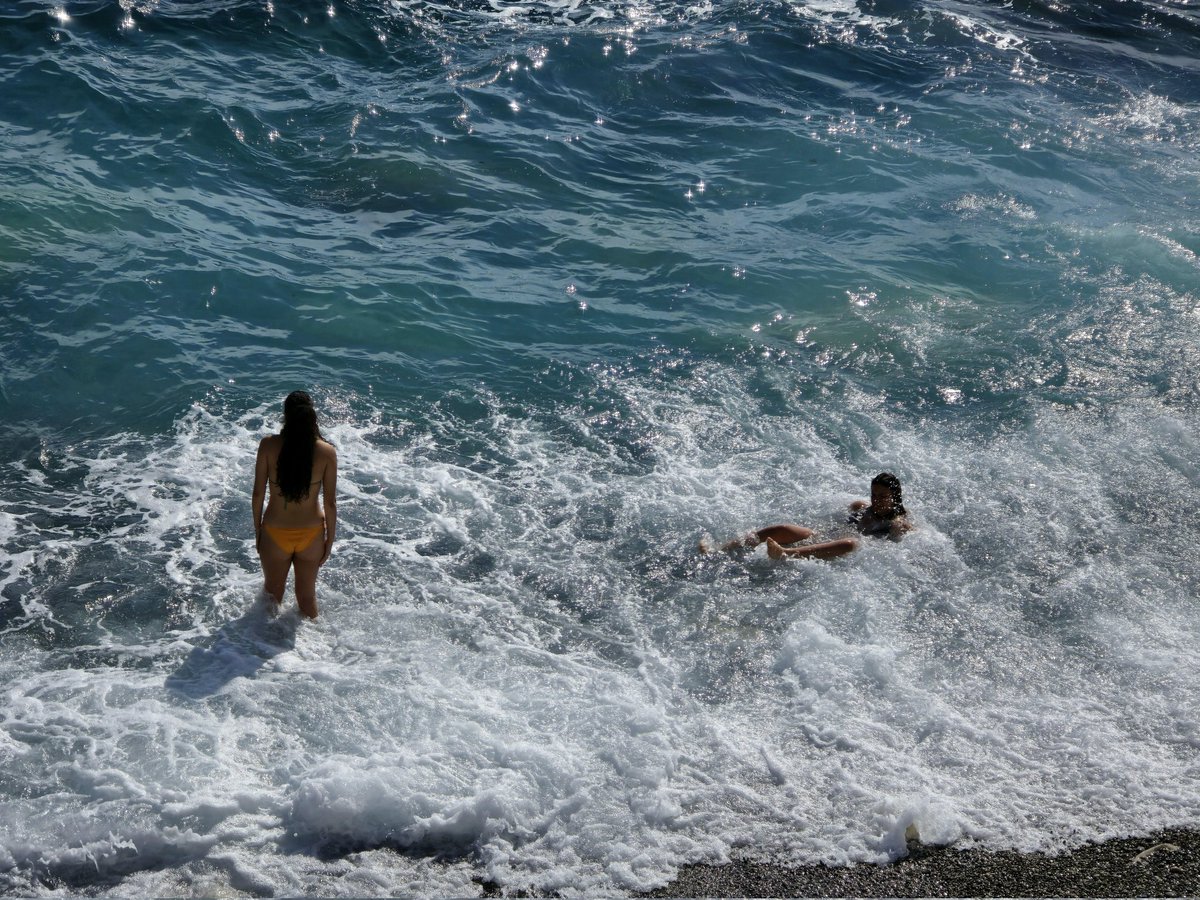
point(886, 497)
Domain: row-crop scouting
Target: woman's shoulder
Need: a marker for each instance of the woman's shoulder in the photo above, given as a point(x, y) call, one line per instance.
point(326, 450)
point(271, 442)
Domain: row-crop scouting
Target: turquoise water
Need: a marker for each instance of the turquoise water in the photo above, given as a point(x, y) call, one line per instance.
point(575, 284)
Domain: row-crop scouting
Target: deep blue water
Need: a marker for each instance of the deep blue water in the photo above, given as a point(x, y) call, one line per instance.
point(575, 284)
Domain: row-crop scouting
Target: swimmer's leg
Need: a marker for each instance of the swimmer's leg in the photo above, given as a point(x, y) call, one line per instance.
point(275, 564)
point(307, 563)
point(783, 534)
point(739, 543)
point(824, 550)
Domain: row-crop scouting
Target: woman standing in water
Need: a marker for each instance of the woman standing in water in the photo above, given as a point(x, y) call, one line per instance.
point(298, 464)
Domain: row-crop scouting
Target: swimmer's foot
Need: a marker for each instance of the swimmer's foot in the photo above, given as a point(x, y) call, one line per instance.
point(774, 550)
point(704, 547)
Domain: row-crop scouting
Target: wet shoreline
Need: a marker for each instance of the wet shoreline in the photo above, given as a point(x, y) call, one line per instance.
point(1164, 864)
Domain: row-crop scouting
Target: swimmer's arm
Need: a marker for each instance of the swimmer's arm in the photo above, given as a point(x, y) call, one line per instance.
point(858, 504)
point(900, 527)
point(329, 495)
point(259, 493)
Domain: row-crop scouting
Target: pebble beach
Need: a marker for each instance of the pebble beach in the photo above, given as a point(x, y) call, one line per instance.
point(1166, 864)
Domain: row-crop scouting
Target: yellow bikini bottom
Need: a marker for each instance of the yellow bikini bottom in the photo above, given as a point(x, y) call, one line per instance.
point(293, 540)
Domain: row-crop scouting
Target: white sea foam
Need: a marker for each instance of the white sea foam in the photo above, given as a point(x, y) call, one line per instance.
point(1001, 205)
point(842, 20)
point(522, 665)
point(623, 14)
point(987, 33)
point(1146, 119)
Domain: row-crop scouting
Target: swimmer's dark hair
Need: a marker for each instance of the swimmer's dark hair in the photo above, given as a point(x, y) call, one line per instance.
point(300, 435)
point(892, 483)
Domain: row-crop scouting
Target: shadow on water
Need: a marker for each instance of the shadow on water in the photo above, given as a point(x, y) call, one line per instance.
point(237, 650)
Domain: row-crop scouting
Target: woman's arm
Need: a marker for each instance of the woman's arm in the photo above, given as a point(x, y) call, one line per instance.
point(259, 494)
point(329, 495)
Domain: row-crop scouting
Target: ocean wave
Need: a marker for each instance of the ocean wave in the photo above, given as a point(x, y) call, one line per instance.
point(576, 285)
point(522, 661)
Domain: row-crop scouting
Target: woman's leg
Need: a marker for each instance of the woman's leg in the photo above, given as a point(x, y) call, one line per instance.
point(781, 534)
point(307, 562)
point(275, 562)
point(825, 550)
point(784, 534)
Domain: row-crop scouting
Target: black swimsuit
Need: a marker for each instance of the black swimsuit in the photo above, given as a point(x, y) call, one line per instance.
point(878, 528)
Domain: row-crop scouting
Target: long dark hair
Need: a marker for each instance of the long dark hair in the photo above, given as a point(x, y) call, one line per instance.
point(892, 483)
point(300, 435)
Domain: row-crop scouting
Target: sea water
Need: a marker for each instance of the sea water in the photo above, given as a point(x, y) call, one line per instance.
point(576, 284)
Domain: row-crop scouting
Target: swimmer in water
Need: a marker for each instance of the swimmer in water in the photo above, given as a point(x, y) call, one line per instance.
point(884, 516)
